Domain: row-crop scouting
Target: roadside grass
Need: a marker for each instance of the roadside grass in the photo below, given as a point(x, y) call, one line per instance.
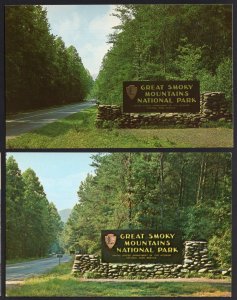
point(60, 282)
point(215, 124)
point(79, 131)
point(20, 260)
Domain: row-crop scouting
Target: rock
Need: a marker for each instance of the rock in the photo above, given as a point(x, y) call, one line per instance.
point(208, 265)
point(187, 261)
point(225, 273)
point(159, 272)
point(184, 271)
point(203, 270)
point(150, 266)
point(195, 258)
point(114, 266)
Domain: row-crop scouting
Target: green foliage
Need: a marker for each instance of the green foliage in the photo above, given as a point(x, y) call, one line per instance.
point(224, 78)
point(77, 133)
point(33, 224)
point(40, 70)
point(188, 62)
point(65, 285)
point(219, 248)
point(197, 230)
point(91, 275)
point(110, 124)
point(193, 274)
point(221, 81)
point(217, 124)
point(168, 42)
point(189, 191)
point(14, 200)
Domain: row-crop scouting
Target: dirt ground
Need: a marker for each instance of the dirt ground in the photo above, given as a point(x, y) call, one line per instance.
point(202, 280)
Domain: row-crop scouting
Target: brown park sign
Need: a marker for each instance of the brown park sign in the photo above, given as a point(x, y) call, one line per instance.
point(141, 246)
point(161, 96)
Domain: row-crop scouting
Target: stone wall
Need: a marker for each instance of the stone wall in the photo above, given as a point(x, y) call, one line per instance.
point(195, 259)
point(213, 107)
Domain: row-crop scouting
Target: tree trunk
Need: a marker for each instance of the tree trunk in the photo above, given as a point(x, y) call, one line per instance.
point(201, 181)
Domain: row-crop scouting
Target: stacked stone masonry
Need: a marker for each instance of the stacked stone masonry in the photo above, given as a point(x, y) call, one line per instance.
point(195, 260)
point(213, 107)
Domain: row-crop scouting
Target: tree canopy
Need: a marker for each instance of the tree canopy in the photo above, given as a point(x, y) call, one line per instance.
point(40, 70)
point(168, 42)
point(162, 191)
point(33, 224)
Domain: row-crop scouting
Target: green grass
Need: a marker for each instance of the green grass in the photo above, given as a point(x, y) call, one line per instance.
point(20, 260)
point(79, 131)
point(60, 282)
point(215, 124)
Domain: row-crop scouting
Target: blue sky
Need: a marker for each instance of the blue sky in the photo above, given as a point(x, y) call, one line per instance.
point(59, 173)
point(86, 27)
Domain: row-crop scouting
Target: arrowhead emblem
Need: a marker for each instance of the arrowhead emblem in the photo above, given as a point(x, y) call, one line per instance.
point(110, 240)
point(131, 91)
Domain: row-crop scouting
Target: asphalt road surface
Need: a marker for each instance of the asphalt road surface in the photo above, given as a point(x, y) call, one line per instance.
point(27, 121)
point(24, 270)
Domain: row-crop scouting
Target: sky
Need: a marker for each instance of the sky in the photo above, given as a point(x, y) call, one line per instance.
point(59, 173)
point(86, 27)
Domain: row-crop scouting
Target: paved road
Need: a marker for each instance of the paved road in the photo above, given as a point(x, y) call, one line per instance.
point(23, 270)
point(27, 121)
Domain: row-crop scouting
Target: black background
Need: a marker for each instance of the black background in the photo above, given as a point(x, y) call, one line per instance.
point(3, 149)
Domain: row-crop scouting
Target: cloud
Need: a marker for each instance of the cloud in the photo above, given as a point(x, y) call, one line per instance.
point(99, 27)
point(67, 25)
point(65, 22)
point(86, 27)
point(102, 25)
point(69, 29)
point(93, 55)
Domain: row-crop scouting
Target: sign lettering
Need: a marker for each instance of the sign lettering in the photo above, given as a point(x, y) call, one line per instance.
point(141, 246)
point(161, 96)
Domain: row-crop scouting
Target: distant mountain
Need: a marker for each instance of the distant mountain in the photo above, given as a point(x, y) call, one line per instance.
point(64, 214)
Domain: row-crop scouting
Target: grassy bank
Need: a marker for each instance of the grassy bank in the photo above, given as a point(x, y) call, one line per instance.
point(60, 282)
point(78, 131)
point(21, 260)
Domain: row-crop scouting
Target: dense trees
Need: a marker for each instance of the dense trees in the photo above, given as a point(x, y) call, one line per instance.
point(40, 70)
point(186, 191)
point(32, 223)
point(153, 42)
point(162, 42)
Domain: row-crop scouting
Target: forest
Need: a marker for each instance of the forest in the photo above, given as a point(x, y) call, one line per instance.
point(40, 71)
point(190, 192)
point(168, 42)
point(33, 225)
point(152, 42)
